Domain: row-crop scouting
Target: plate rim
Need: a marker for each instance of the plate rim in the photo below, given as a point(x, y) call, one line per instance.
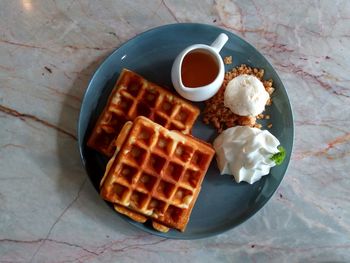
point(204, 234)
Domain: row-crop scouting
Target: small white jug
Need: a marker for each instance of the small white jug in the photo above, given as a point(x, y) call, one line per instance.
point(206, 91)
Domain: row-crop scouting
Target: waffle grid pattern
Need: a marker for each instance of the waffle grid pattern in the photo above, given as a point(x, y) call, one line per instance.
point(134, 96)
point(158, 174)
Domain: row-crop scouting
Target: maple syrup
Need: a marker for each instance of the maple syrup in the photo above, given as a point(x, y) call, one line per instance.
point(198, 69)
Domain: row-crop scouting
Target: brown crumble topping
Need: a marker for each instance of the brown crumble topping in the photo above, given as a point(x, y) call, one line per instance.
point(228, 60)
point(221, 117)
point(260, 116)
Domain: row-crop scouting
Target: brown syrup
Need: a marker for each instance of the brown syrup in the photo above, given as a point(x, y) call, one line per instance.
point(198, 69)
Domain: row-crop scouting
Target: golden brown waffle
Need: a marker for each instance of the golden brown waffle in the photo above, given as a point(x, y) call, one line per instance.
point(134, 96)
point(156, 174)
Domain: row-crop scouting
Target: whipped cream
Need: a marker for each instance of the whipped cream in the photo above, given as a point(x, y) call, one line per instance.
point(245, 95)
point(245, 153)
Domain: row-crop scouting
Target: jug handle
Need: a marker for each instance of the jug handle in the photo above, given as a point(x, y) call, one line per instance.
point(219, 42)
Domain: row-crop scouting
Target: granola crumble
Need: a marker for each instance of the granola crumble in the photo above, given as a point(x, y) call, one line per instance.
point(221, 117)
point(228, 60)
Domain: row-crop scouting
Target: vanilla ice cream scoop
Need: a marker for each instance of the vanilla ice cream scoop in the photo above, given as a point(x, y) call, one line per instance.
point(246, 153)
point(245, 95)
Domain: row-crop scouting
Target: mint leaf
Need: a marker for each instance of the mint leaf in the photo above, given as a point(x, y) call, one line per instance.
point(279, 157)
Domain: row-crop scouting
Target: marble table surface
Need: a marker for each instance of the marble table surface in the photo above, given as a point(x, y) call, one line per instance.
point(49, 211)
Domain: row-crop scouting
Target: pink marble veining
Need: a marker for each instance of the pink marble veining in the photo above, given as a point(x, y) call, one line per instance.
point(48, 51)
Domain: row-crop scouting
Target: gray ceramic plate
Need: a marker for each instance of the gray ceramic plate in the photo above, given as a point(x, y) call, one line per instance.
point(222, 203)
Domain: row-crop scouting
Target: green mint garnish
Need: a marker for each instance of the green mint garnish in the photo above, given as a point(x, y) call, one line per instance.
point(279, 157)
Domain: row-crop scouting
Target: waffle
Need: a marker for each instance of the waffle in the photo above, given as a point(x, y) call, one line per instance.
point(156, 174)
point(134, 96)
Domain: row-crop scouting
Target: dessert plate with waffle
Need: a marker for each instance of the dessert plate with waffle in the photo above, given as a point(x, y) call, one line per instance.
point(147, 150)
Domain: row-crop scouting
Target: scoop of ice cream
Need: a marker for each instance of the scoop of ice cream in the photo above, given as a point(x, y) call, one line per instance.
point(246, 153)
point(245, 95)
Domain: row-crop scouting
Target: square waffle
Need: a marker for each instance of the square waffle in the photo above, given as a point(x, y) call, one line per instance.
point(156, 174)
point(134, 96)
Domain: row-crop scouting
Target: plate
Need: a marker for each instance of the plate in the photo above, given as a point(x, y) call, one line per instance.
point(222, 203)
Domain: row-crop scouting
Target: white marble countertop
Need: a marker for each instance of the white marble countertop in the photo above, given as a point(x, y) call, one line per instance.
point(49, 211)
